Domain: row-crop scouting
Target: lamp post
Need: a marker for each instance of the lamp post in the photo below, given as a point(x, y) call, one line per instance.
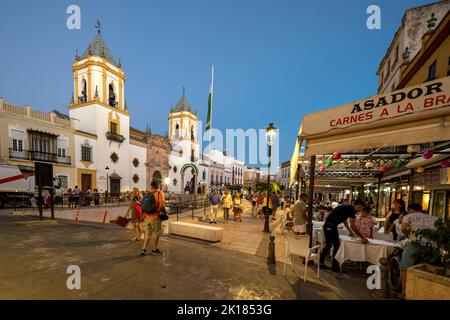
point(270, 135)
point(107, 184)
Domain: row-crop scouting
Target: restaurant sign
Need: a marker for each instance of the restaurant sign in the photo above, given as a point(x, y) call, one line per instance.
point(427, 96)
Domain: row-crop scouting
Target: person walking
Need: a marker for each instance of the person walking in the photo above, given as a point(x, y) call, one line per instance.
point(214, 200)
point(76, 196)
point(254, 199)
point(300, 214)
point(152, 204)
point(335, 218)
point(237, 210)
point(135, 207)
point(227, 203)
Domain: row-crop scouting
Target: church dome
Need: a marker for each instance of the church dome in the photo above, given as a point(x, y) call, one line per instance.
point(99, 48)
point(182, 105)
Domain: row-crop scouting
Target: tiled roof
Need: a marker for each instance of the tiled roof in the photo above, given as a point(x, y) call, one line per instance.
point(182, 105)
point(99, 48)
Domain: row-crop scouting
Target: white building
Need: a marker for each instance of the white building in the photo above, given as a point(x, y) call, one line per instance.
point(105, 157)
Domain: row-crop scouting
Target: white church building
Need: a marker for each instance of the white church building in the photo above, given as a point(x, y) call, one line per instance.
point(105, 156)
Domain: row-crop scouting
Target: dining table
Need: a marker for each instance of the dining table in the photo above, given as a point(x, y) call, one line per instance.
point(352, 249)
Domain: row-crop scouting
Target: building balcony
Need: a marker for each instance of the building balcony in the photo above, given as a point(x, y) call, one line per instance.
point(33, 155)
point(112, 136)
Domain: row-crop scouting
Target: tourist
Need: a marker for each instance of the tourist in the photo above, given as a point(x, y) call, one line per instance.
point(364, 225)
point(70, 197)
point(76, 196)
point(237, 203)
point(260, 203)
point(135, 207)
point(227, 203)
point(96, 197)
point(300, 216)
point(254, 200)
point(339, 215)
point(34, 202)
point(152, 205)
point(399, 209)
point(413, 221)
point(214, 200)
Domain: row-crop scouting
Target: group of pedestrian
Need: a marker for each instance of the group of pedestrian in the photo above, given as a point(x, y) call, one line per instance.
point(145, 213)
point(227, 203)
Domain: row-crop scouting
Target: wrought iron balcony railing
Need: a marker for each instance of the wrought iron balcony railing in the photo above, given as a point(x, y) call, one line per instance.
point(115, 137)
point(34, 155)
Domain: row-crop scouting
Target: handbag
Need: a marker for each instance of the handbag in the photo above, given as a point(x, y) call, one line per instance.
point(122, 221)
point(163, 216)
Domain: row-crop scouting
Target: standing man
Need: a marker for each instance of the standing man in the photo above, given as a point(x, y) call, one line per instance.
point(300, 215)
point(214, 200)
point(335, 218)
point(413, 221)
point(152, 204)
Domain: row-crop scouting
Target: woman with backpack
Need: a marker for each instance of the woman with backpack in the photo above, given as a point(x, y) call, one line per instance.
point(135, 208)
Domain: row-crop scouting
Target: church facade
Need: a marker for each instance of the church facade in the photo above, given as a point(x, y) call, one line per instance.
point(106, 158)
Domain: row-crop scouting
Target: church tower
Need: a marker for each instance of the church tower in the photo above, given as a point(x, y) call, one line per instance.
point(98, 102)
point(183, 136)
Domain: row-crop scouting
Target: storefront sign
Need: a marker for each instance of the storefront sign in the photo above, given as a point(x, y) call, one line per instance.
point(421, 98)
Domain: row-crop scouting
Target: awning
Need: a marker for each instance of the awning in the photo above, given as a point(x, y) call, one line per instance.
point(414, 115)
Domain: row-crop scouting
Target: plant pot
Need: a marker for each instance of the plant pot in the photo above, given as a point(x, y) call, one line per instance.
point(423, 283)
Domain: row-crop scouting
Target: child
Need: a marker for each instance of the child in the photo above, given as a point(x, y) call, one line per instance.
point(364, 224)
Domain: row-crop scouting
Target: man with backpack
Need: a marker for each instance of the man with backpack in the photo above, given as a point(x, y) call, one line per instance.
point(152, 204)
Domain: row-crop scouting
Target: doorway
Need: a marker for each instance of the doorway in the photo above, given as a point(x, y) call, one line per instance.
point(115, 186)
point(86, 180)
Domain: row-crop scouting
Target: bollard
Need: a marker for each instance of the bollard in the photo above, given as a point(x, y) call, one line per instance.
point(104, 216)
point(384, 290)
point(271, 252)
point(77, 215)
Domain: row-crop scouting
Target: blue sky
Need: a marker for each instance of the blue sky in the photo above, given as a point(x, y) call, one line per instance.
point(274, 60)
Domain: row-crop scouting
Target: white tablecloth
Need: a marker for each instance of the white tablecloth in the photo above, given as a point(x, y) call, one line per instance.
point(352, 249)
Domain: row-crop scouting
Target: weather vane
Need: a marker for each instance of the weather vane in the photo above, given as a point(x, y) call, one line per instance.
point(98, 26)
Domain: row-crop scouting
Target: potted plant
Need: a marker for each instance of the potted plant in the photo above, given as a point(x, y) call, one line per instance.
point(429, 279)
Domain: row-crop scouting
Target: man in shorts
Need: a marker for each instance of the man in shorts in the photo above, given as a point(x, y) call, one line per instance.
point(156, 201)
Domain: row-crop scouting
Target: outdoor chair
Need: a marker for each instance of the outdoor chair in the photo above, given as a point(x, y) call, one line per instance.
point(299, 246)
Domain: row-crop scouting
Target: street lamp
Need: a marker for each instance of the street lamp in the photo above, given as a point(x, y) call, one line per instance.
point(270, 136)
point(107, 184)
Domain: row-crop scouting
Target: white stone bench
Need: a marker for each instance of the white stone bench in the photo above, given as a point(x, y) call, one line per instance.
point(197, 231)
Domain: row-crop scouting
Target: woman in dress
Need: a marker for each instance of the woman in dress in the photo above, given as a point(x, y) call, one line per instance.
point(135, 208)
point(237, 202)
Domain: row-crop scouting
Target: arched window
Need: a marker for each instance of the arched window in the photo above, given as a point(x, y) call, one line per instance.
point(192, 134)
point(221, 179)
point(204, 175)
point(112, 96)
point(83, 97)
point(177, 131)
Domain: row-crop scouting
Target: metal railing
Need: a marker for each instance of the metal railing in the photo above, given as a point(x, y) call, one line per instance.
point(38, 156)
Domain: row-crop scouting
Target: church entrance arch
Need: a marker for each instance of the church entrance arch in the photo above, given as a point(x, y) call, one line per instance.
point(189, 178)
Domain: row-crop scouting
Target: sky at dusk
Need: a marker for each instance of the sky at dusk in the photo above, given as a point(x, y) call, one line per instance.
point(274, 60)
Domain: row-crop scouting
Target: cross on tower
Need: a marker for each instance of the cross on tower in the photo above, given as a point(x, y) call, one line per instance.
point(98, 26)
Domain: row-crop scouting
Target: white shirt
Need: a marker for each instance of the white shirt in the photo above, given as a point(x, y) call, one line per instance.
point(419, 221)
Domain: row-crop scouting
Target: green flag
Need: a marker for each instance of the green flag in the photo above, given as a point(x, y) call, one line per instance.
point(210, 99)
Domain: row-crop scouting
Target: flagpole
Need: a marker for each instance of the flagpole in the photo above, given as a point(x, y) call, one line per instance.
point(210, 128)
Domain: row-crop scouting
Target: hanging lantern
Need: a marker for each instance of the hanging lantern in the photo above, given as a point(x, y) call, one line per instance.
point(384, 169)
point(369, 165)
point(420, 170)
point(427, 154)
point(399, 163)
point(329, 163)
point(337, 156)
point(322, 168)
point(444, 164)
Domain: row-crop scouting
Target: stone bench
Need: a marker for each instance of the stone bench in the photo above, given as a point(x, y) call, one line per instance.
point(197, 231)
